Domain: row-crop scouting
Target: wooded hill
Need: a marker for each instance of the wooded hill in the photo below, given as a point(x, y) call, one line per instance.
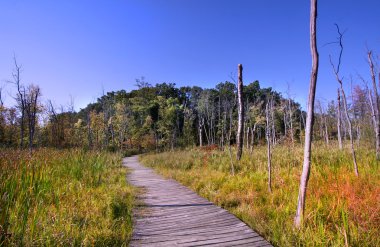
point(165, 116)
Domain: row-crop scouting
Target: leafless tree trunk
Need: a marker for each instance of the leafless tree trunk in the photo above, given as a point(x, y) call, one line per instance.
point(274, 140)
point(349, 128)
point(310, 116)
point(291, 121)
point(247, 137)
point(239, 138)
point(20, 99)
point(200, 133)
point(252, 138)
point(54, 124)
point(339, 121)
point(373, 111)
point(229, 146)
point(285, 120)
point(268, 137)
point(339, 80)
point(31, 111)
point(375, 105)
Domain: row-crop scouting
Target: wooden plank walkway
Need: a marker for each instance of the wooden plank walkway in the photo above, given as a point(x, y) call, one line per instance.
point(170, 214)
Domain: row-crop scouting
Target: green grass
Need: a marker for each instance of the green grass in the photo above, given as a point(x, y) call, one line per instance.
point(64, 198)
point(340, 207)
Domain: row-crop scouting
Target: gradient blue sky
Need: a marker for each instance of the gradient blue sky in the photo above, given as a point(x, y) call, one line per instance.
point(78, 47)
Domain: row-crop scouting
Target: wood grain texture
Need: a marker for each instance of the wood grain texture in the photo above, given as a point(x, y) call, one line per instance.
point(170, 214)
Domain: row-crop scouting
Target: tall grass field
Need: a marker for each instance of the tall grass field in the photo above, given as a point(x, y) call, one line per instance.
point(341, 209)
point(64, 198)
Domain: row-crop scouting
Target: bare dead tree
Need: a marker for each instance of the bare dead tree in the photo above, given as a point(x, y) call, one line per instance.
point(344, 99)
point(31, 103)
point(268, 137)
point(229, 146)
point(229, 137)
point(290, 110)
point(375, 105)
point(339, 124)
point(274, 139)
point(239, 137)
point(310, 116)
point(20, 98)
point(54, 122)
point(200, 123)
point(371, 105)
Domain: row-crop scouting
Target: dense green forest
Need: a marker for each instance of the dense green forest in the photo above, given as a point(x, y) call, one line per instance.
point(164, 117)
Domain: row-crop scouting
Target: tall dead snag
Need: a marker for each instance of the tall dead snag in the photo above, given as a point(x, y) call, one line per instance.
point(239, 137)
point(31, 103)
point(310, 116)
point(339, 124)
point(375, 105)
point(344, 99)
point(268, 137)
point(20, 98)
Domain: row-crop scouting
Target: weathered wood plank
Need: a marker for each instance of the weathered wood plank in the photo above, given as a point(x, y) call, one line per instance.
point(170, 214)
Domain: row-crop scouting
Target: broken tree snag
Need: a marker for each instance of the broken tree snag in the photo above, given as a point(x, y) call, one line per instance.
point(310, 116)
point(239, 137)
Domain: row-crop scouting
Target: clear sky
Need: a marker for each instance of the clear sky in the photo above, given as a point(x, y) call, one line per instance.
point(80, 47)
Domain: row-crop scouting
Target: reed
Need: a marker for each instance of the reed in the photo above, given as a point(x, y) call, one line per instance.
point(64, 197)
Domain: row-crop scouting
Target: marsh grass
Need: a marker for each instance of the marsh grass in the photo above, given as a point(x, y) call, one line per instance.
point(64, 198)
point(341, 208)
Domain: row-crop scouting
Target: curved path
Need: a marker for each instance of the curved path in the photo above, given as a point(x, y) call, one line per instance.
point(170, 214)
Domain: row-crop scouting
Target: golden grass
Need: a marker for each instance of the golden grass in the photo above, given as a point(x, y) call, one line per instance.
point(341, 208)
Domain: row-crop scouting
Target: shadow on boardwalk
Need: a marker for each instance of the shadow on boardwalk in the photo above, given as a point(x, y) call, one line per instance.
point(172, 215)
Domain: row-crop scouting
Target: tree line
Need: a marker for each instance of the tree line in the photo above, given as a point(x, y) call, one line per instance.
point(165, 116)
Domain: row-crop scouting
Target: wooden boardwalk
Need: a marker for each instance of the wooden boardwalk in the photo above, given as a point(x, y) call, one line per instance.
point(170, 214)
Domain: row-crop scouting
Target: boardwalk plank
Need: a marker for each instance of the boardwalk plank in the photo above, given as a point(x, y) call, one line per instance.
point(170, 214)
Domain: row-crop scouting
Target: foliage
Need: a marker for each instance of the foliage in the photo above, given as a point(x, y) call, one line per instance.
point(340, 206)
point(63, 197)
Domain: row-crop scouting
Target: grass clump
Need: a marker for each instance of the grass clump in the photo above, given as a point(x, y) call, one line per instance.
point(64, 197)
point(341, 209)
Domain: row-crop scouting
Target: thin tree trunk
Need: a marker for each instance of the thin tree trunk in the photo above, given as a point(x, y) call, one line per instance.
point(291, 122)
point(252, 138)
point(285, 123)
point(200, 133)
point(310, 116)
point(376, 106)
point(268, 146)
point(339, 122)
point(273, 125)
point(349, 128)
point(374, 122)
point(229, 146)
point(239, 137)
point(247, 137)
point(358, 134)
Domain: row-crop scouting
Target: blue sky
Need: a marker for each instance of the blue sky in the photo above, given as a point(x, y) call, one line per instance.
point(79, 48)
